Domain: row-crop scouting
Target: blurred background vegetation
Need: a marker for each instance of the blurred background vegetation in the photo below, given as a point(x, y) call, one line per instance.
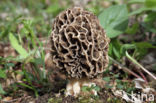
point(25, 27)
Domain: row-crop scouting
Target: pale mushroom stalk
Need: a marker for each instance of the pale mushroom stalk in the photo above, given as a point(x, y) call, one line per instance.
point(79, 48)
point(74, 86)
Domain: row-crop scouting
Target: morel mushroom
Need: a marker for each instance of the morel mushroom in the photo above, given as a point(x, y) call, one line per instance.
point(79, 47)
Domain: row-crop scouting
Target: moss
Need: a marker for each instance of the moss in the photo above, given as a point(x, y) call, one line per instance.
point(55, 100)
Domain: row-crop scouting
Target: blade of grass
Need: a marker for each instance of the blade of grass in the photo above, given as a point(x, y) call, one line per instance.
point(124, 68)
point(134, 61)
point(17, 46)
point(27, 25)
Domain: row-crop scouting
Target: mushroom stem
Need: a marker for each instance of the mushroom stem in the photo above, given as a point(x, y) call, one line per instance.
point(74, 87)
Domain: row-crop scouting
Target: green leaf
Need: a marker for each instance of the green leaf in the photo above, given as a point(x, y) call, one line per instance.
point(144, 45)
point(151, 17)
point(1, 90)
point(108, 86)
point(133, 30)
point(19, 72)
point(139, 11)
point(143, 9)
point(110, 51)
point(114, 20)
point(119, 86)
point(149, 22)
point(142, 49)
point(32, 88)
point(151, 4)
point(116, 75)
point(86, 88)
point(116, 45)
point(39, 61)
point(28, 26)
point(118, 81)
point(2, 74)
point(25, 85)
point(154, 67)
point(136, 1)
point(150, 27)
point(96, 88)
point(54, 9)
point(126, 47)
point(107, 79)
point(10, 64)
point(17, 46)
point(116, 52)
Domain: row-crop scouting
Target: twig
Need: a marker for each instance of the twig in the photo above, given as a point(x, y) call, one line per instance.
point(124, 68)
point(143, 76)
point(145, 70)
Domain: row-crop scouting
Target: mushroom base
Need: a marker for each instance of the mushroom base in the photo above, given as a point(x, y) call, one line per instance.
point(74, 87)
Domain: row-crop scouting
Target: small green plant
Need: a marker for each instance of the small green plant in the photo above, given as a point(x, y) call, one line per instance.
point(3, 75)
point(114, 20)
point(86, 88)
point(55, 100)
point(34, 56)
point(89, 89)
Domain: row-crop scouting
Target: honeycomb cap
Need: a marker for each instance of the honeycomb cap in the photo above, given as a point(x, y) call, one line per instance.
point(79, 44)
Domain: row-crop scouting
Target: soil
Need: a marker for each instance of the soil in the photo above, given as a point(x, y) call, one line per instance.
point(54, 97)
